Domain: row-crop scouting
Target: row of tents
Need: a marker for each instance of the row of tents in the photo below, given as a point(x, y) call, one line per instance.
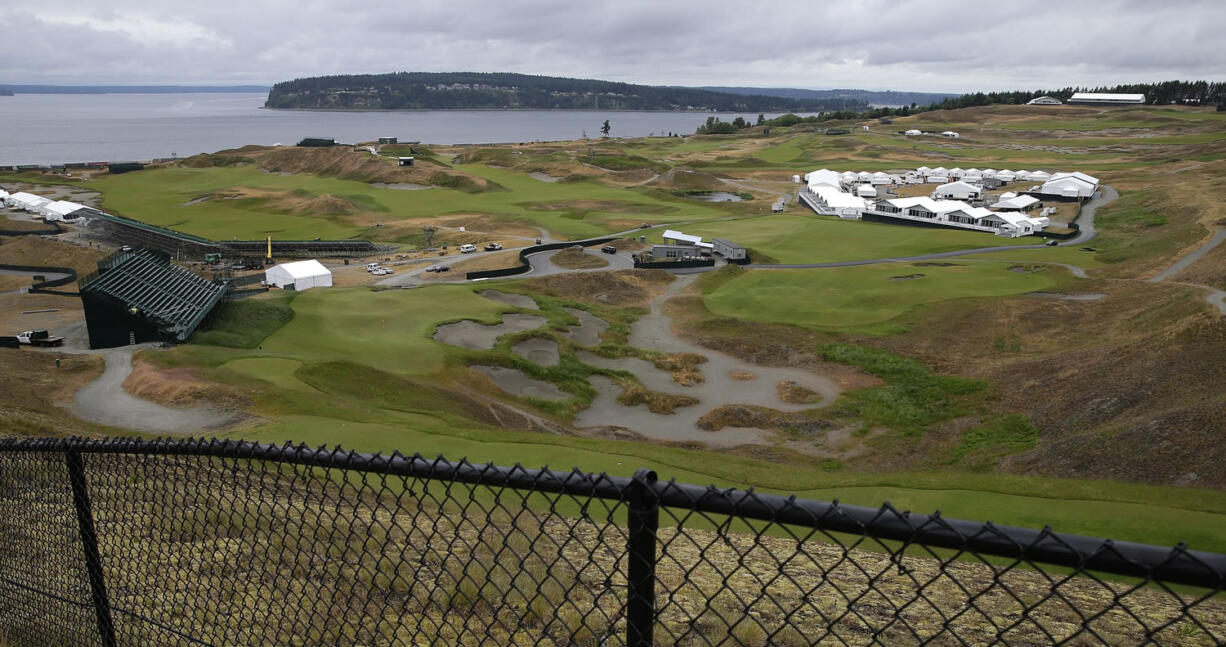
point(50, 210)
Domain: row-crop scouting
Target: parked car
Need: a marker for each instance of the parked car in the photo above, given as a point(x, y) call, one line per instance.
point(432, 268)
point(644, 226)
point(443, 268)
point(493, 247)
point(1052, 243)
point(609, 249)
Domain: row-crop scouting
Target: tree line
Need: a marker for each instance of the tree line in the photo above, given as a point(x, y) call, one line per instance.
point(474, 90)
point(1196, 93)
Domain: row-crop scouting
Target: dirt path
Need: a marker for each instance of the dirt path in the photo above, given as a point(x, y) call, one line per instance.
point(105, 401)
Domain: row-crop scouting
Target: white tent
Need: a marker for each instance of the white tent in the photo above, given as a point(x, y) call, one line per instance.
point(1006, 176)
point(61, 209)
point(300, 275)
point(866, 191)
point(949, 133)
point(1038, 176)
point(28, 201)
point(822, 177)
point(881, 178)
point(957, 191)
point(1069, 187)
point(912, 132)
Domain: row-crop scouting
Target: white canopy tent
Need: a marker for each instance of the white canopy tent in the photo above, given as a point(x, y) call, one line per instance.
point(299, 275)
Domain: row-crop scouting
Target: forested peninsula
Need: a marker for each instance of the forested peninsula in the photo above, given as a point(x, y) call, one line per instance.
point(499, 91)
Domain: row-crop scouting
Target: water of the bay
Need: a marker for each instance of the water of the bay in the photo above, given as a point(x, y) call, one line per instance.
point(59, 128)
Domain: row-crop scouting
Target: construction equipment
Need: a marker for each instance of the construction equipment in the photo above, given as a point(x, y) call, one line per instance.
point(39, 338)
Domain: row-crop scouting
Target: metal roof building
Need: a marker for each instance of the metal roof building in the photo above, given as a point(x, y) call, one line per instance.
point(139, 295)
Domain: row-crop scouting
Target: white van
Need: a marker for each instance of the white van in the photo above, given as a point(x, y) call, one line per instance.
point(372, 266)
point(465, 249)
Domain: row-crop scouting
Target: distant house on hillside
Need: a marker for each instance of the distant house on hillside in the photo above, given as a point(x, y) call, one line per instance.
point(1107, 98)
point(1044, 101)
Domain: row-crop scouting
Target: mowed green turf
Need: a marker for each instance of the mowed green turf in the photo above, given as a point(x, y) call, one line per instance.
point(854, 296)
point(160, 197)
point(390, 330)
point(819, 239)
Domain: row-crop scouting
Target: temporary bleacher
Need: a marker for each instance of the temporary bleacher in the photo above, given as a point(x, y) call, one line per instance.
point(139, 295)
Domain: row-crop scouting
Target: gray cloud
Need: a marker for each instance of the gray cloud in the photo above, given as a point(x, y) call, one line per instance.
point(936, 45)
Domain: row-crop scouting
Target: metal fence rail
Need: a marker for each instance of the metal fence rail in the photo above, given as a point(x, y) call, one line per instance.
point(127, 542)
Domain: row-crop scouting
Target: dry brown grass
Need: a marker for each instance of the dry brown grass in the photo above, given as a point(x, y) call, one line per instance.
point(31, 387)
point(179, 387)
point(578, 259)
point(794, 393)
point(35, 250)
point(620, 288)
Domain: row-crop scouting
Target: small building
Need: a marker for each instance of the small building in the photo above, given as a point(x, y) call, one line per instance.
point(729, 249)
point(795, 179)
point(1107, 98)
point(777, 206)
point(404, 161)
point(387, 140)
point(317, 141)
point(1044, 101)
point(913, 132)
point(674, 252)
point(957, 191)
point(299, 275)
point(949, 133)
point(866, 191)
point(677, 238)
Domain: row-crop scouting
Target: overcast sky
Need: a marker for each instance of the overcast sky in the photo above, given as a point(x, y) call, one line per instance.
point(925, 46)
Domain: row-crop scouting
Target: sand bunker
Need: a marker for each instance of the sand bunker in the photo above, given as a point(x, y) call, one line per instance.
point(402, 186)
point(723, 384)
point(517, 300)
point(543, 352)
point(587, 333)
point(543, 177)
point(519, 383)
point(470, 334)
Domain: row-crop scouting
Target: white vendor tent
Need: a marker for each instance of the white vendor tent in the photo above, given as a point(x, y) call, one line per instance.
point(299, 275)
point(866, 191)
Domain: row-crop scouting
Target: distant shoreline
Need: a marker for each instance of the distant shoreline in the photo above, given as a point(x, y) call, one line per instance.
point(695, 112)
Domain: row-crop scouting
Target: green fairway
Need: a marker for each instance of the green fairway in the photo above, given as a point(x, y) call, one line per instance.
point(1138, 513)
point(855, 296)
point(821, 239)
point(569, 209)
point(389, 330)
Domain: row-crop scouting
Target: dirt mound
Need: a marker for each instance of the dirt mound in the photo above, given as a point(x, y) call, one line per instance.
point(622, 288)
point(325, 205)
point(577, 259)
point(35, 250)
point(348, 164)
point(739, 415)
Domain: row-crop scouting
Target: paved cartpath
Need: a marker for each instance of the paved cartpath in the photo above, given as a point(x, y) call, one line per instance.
point(105, 401)
point(1191, 258)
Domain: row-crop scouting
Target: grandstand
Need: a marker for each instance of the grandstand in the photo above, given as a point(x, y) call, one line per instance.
point(186, 246)
point(139, 295)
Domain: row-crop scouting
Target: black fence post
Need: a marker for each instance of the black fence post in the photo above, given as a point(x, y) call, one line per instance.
point(89, 544)
point(643, 520)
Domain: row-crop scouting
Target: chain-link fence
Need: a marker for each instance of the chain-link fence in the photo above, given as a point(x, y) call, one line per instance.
point(126, 542)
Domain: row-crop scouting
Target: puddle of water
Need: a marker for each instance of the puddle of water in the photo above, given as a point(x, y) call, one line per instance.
point(519, 383)
point(587, 333)
point(517, 300)
point(543, 352)
point(715, 196)
point(470, 334)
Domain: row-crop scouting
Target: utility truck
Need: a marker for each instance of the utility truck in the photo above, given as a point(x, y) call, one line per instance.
point(39, 338)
